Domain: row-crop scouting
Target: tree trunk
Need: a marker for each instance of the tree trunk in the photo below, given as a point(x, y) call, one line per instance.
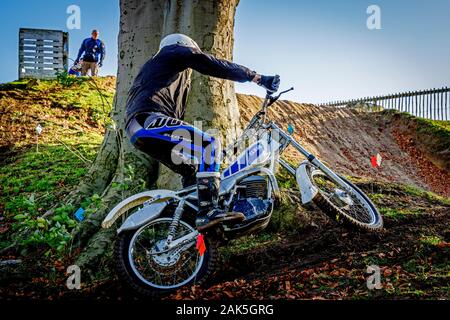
point(212, 101)
point(114, 172)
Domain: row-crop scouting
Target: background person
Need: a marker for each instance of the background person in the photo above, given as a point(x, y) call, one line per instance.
point(94, 54)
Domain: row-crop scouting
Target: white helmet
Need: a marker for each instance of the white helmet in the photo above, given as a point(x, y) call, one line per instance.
point(178, 38)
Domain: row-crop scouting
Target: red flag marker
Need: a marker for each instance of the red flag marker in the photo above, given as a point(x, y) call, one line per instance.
point(373, 160)
point(201, 247)
point(376, 160)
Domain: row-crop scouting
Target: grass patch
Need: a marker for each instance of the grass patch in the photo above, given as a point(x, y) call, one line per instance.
point(376, 196)
point(436, 128)
point(431, 240)
point(35, 181)
point(40, 174)
point(80, 95)
point(399, 213)
point(247, 243)
point(414, 191)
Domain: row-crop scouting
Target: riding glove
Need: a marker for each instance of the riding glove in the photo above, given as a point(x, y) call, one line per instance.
point(270, 83)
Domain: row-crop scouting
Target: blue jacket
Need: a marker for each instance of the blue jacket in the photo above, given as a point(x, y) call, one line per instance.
point(92, 50)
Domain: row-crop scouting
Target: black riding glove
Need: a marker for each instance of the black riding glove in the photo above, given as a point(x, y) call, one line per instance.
point(270, 83)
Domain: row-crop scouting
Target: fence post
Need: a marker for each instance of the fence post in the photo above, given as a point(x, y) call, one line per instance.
point(446, 103)
point(408, 102)
point(435, 103)
point(405, 97)
point(442, 103)
point(430, 110)
point(415, 107)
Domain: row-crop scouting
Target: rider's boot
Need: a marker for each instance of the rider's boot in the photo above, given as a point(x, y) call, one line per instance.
point(209, 213)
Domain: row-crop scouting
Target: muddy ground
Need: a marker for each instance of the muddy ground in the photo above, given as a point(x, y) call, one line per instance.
point(322, 261)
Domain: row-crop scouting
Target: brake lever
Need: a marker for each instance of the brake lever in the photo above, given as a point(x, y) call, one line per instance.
point(272, 100)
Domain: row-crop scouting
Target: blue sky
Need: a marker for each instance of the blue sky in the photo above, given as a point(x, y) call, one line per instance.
point(323, 47)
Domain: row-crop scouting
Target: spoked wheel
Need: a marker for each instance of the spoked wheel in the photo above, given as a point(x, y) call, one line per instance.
point(345, 203)
point(149, 269)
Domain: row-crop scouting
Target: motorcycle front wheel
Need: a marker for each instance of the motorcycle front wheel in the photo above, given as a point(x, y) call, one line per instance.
point(345, 203)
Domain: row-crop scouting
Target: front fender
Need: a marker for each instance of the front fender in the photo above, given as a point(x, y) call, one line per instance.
point(307, 189)
point(133, 201)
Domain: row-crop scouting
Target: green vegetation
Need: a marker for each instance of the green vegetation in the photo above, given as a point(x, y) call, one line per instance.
point(435, 127)
point(248, 243)
point(44, 177)
point(67, 80)
point(432, 240)
point(398, 213)
point(414, 191)
point(42, 170)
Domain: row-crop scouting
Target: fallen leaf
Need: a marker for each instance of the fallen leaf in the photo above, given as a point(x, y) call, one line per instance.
point(288, 285)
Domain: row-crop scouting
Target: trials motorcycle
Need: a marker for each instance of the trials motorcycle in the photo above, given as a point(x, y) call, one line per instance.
point(157, 250)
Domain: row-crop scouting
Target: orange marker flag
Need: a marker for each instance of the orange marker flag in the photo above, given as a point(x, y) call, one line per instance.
point(201, 247)
point(373, 160)
point(376, 160)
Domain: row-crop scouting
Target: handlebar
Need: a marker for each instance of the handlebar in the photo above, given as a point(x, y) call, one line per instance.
point(268, 101)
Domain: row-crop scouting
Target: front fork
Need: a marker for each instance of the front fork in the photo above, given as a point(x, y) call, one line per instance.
point(306, 187)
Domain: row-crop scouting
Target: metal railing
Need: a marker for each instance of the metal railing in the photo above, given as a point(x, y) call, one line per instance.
point(431, 104)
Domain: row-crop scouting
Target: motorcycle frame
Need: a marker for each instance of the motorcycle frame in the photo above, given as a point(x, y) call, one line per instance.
point(157, 200)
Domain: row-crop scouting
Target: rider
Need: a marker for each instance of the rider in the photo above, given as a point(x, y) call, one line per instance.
point(155, 109)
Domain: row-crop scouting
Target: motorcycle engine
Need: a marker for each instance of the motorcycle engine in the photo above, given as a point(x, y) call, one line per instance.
point(251, 198)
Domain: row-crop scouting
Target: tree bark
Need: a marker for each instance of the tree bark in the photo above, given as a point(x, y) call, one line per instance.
point(143, 23)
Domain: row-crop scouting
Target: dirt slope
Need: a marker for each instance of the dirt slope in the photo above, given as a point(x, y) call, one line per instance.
point(346, 139)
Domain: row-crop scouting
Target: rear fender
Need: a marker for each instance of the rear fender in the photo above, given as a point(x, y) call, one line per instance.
point(151, 197)
point(144, 215)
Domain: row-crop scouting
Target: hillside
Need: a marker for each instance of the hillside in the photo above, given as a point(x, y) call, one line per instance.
point(302, 254)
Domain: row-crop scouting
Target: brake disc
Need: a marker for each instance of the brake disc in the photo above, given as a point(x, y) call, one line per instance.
point(165, 259)
point(342, 197)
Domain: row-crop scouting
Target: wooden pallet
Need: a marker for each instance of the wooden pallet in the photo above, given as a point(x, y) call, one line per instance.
point(42, 53)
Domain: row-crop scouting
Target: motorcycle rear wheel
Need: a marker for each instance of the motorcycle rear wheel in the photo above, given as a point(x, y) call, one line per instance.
point(137, 270)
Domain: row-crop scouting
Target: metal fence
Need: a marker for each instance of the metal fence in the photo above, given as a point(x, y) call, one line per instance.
point(431, 104)
point(42, 53)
